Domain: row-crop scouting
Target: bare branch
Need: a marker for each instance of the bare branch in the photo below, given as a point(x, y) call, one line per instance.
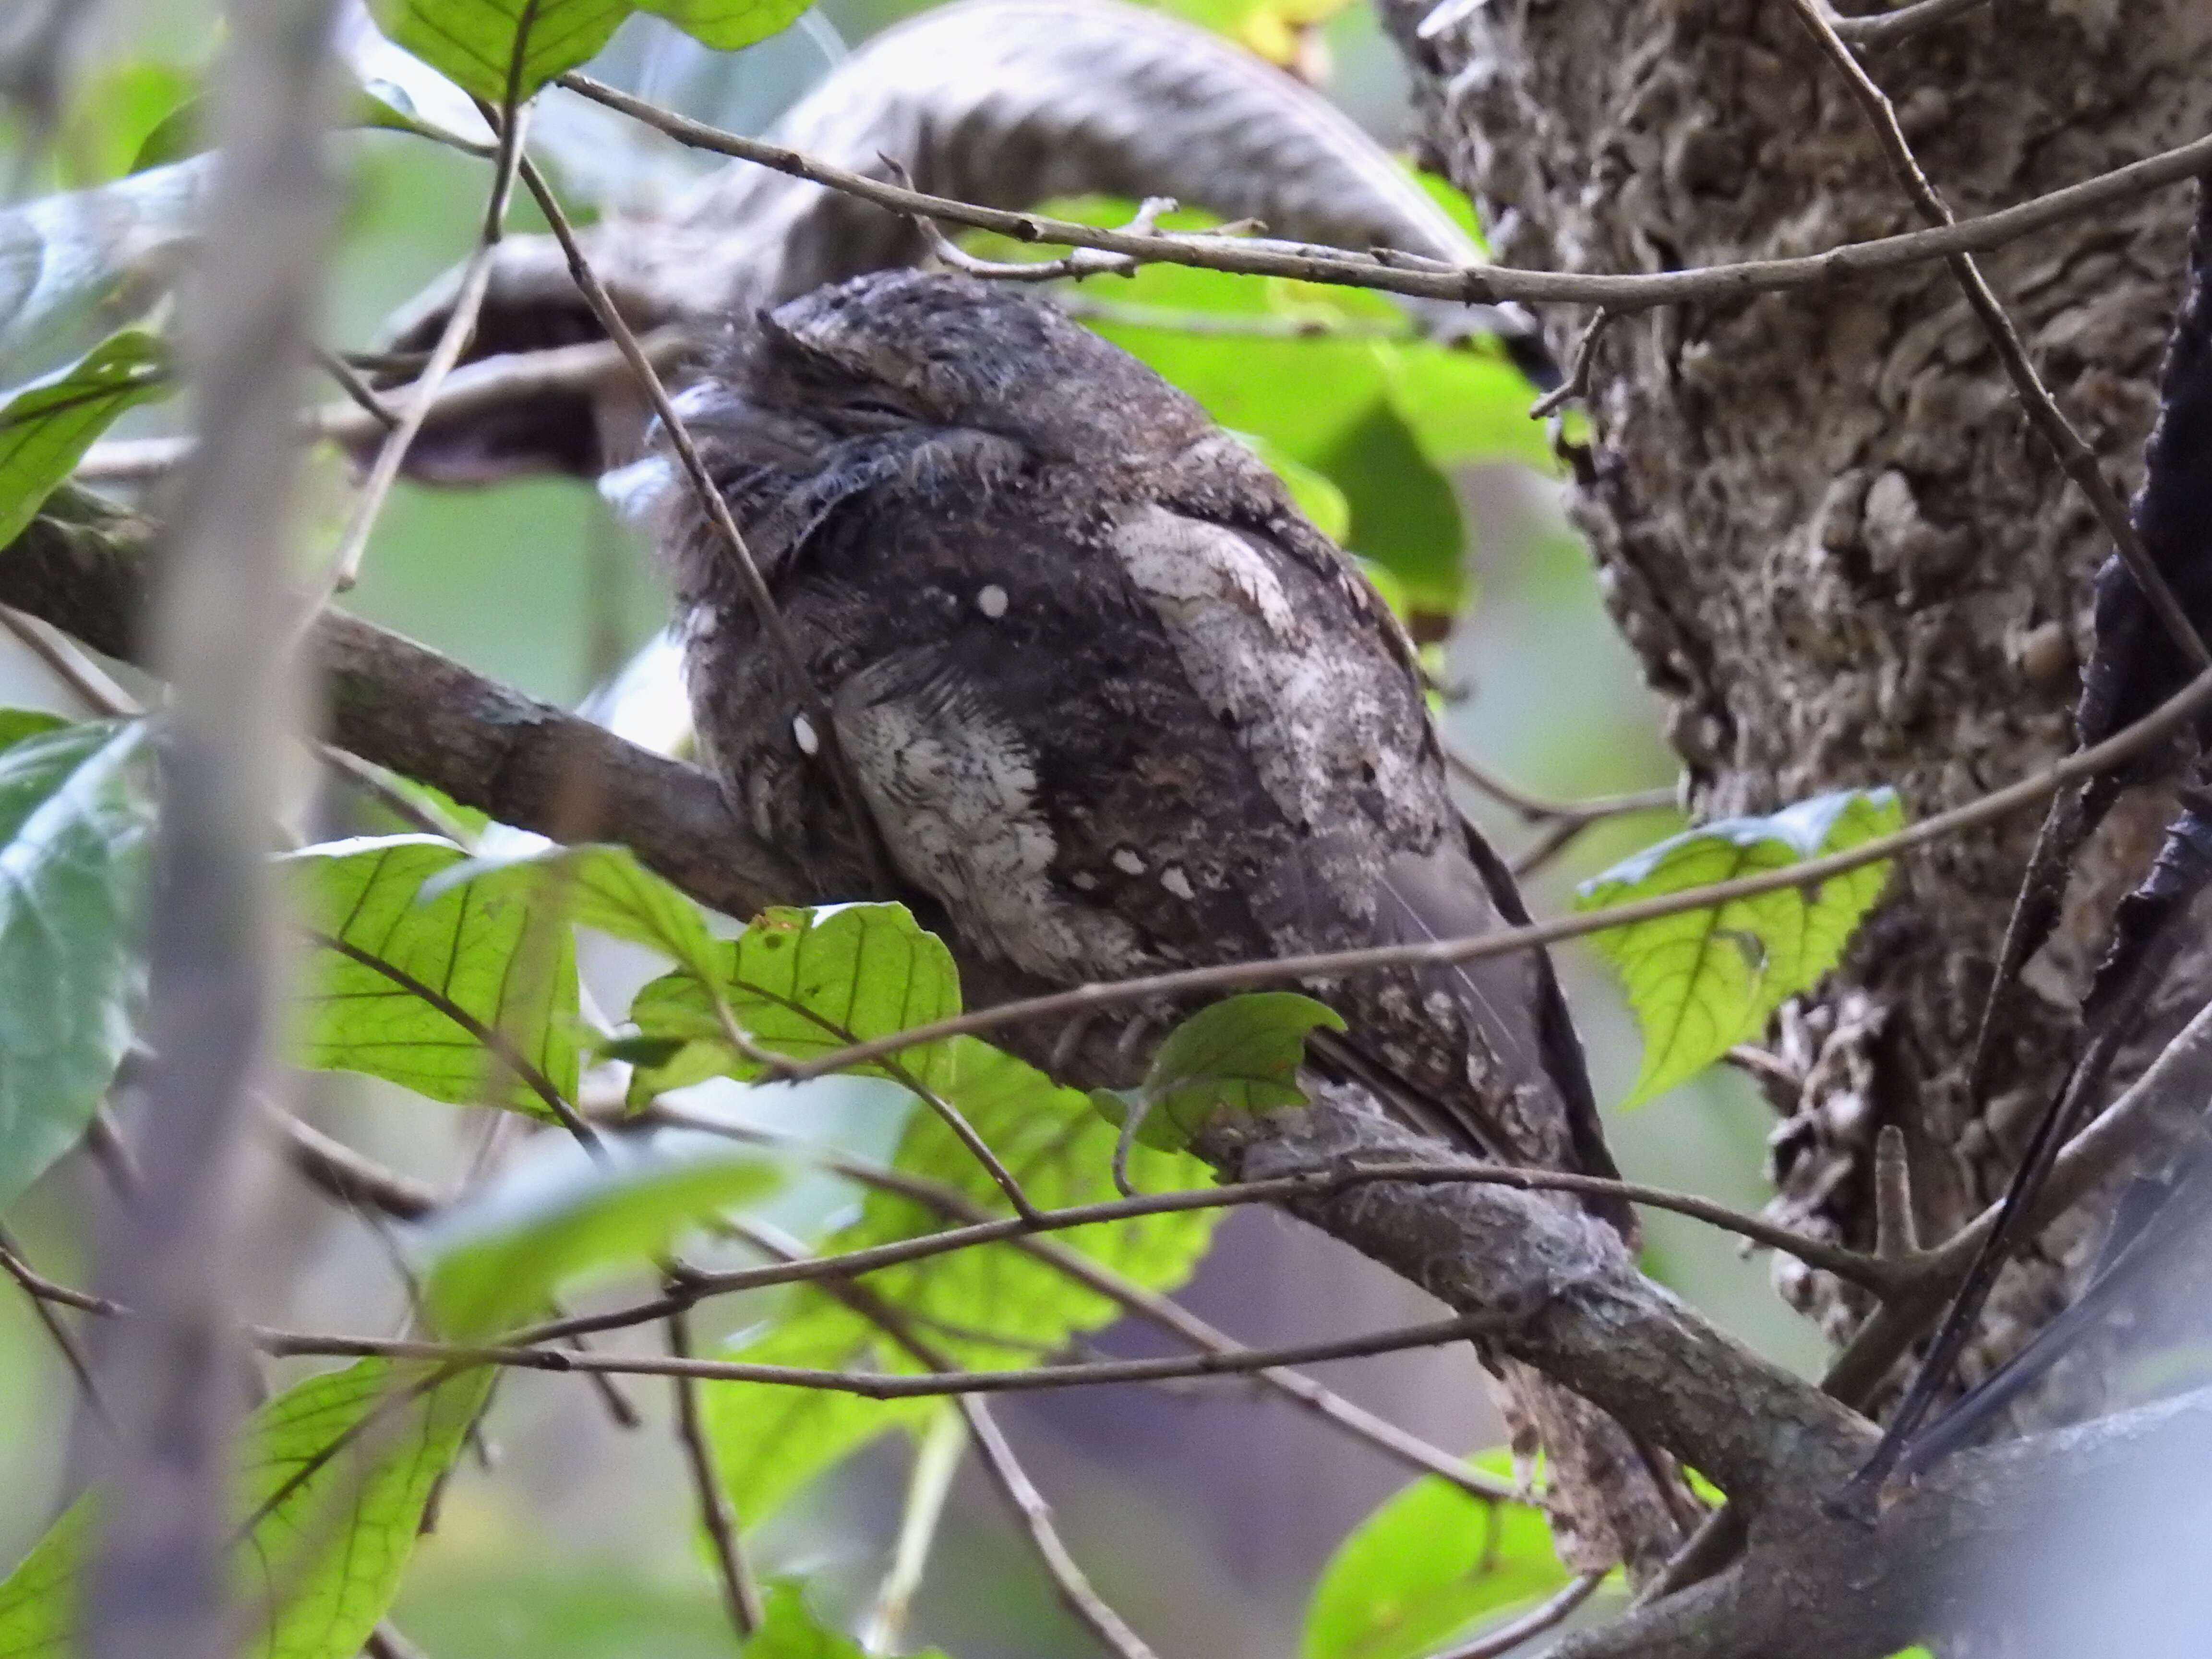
point(741, 1597)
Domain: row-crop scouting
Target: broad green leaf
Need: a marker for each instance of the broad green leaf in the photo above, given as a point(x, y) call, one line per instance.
point(112, 116)
point(1705, 979)
point(1425, 1567)
point(75, 826)
point(46, 427)
point(607, 889)
point(476, 946)
point(499, 1258)
point(797, 982)
point(1241, 1053)
point(333, 1483)
point(990, 1307)
point(789, 1630)
point(472, 42)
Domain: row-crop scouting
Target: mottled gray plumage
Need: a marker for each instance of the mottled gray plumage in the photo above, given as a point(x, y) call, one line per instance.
point(1114, 704)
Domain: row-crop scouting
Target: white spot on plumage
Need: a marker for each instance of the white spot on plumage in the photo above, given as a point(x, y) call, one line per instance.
point(992, 601)
point(804, 734)
point(1176, 882)
point(1128, 861)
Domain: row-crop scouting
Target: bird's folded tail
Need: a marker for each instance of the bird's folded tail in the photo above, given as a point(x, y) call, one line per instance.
point(1611, 1499)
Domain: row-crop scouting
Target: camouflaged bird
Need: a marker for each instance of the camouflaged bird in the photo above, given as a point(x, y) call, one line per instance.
point(1114, 707)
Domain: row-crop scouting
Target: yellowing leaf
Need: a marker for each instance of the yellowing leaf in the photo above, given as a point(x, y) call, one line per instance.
point(1705, 979)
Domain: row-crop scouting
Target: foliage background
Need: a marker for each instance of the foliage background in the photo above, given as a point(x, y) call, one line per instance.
point(1205, 1514)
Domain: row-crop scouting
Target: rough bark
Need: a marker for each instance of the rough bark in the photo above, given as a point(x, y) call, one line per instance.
point(1819, 518)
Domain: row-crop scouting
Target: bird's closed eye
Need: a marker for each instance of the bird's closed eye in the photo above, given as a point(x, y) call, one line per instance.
point(874, 411)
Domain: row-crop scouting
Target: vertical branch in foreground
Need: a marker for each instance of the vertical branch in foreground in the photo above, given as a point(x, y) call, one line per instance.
point(156, 1578)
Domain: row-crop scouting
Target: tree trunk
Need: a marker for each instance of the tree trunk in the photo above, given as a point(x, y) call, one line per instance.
point(1819, 517)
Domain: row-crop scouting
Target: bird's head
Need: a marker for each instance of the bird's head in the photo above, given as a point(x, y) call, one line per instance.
point(902, 350)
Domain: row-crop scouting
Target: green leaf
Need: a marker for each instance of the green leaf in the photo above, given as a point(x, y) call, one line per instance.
point(1425, 1567)
point(472, 42)
point(333, 1482)
point(797, 982)
point(1241, 1053)
point(1316, 494)
point(1705, 979)
point(482, 946)
point(76, 825)
point(789, 1630)
point(499, 1258)
point(994, 1306)
point(46, 427)
point(605, 888)
point(114, 118)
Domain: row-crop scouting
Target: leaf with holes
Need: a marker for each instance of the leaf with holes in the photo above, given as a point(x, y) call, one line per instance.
point(802, 984)
point(1426, 1567)
point(1705, 979)
point(46, 427)
point(994, 1306)
point(413, 989)
point(77, 817)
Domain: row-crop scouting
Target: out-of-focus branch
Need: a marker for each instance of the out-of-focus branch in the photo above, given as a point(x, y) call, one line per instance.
point(156, 1577)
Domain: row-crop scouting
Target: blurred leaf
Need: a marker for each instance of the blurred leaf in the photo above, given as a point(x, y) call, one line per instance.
point(1425, 1567)
point(1316, 494)
point(604, 887)
point(46, 427)
point(994, 1306)
point(797, 982)
point(789, 1630)
point(500, 1256)
point(1705, 979)
point(473, 944)
point(1241, 1053)
point(472, 42)
point(75, 823)
point(1404, 514)
point(112, 116)
point(1269, 29)
point(334, 1480)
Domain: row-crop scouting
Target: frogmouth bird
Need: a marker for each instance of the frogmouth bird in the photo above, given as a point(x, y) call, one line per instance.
point(1111, 706)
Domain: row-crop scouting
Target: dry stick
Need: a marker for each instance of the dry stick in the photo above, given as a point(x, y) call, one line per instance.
point(871, 1385)
point(1577, 385)
point(717, 510)
point(2075, 455)
point(1404, 273)
point(460, 328)
point(1538, 1619)
point(495, 382)
point(364, 395)
point(1006, 1470)
point(1068, 1577)
point(1138, 1301)
point(42, 1295)
point(1883, 27)
point(61, 653)
point(2027, 792)
point(929, 1484)
point(741, 1596)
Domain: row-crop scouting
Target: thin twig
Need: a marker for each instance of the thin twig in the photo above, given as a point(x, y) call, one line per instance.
point(67, 658)
point(2075, 455)
point(1878, 28)
point(1577, 385)
point(386, 1642)
point(741, 1597)
point(453, 340)
point(1068, 1576)
point(1544, 1616)
point(43, 1294)
point(929, 1484)
point(364, 395)
point(1403, 273)
point(340, 1173)
point(1137, 1300)
point(1225, 977)
point(717, 511)
point(871, 1385)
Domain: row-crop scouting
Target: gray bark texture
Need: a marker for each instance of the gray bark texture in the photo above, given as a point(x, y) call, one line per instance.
point(1819, 519)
